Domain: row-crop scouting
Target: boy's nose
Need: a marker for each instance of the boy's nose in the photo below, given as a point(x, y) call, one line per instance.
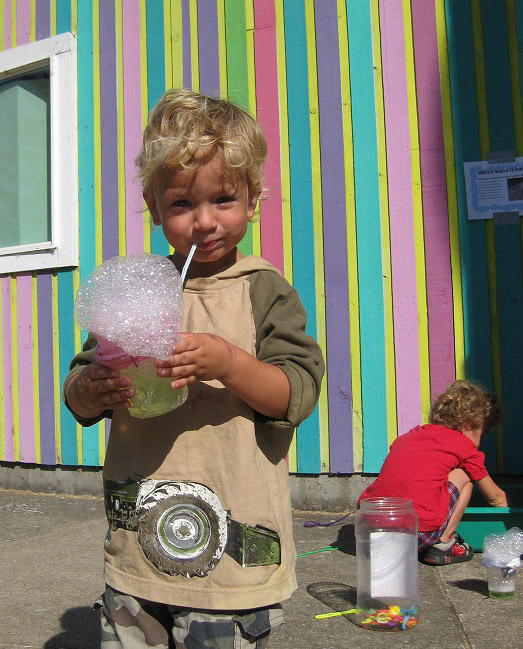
point(204, 218)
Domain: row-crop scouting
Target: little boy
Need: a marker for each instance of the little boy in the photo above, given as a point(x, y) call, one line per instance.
point(435, 466)
point(200, 548)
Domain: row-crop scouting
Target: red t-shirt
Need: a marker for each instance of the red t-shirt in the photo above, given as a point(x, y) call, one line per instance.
point(417, 468)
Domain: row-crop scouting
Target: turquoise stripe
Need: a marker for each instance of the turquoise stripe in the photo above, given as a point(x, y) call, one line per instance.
point(65, 318)
point(156, 87)
point(86, 179)
point(472, 233)
point(63, 16)
point(370, 275)
point(308, 438)
point(507, 237)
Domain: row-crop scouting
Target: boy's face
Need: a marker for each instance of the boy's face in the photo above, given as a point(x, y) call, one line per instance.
point(202, 207)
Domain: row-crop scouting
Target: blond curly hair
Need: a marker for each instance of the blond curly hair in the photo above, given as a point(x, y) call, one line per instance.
point(185, 129)
point(466, 404)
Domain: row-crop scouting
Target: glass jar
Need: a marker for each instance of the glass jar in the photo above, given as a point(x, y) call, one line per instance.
point(153, 394)
point(387, 564)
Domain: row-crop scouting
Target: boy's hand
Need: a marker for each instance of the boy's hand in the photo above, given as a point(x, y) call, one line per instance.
point(97, 388)
point(197, 357)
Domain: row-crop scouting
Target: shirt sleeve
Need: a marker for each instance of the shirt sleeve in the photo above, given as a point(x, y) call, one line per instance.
point(280, 321)
point(85, 357)
point(473, 464)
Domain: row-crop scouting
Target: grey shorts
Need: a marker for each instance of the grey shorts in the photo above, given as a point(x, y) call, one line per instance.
point(133, 623)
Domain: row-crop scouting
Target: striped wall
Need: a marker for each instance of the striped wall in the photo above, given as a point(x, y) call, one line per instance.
point(370, 108)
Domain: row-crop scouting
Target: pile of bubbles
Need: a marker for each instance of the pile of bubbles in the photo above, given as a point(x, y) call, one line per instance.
point(503, 549)
point(132, 304)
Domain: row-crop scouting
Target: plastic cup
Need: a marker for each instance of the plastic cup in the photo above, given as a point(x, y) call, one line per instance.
point(501, 582)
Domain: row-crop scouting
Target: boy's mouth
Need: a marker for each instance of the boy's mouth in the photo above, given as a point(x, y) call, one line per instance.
point(207, 245)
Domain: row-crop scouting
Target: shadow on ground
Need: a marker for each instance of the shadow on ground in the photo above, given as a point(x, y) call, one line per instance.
point(475, 585)
point(346, 541)
point(81, 630)
point(338, 597)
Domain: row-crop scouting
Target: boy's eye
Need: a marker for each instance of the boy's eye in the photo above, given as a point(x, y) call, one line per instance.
point(181, 203)
point(224, 199)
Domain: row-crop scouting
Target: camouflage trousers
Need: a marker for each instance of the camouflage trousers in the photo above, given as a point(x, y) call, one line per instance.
point(134, 623)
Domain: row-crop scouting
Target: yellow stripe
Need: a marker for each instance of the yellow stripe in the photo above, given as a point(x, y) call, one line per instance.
point(122, 237)
point(2, 401)
point(52, 18)
point(452, 195)
point(220, 11)
point(145, 111)
point(195, 58)
point(390, 360)
point(36, 366)
point(74, 16)
point(56, 368)
point(417, 203)
point(176, 50)
point(318, 224)
point(168, 43)
point(97, 135)
point(77, 337)
point(285, 172)
point(484, 142)
point(14, 369)
point(352, 253)
point(32, 20)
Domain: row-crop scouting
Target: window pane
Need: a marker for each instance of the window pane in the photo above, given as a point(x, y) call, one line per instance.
point(25, 197)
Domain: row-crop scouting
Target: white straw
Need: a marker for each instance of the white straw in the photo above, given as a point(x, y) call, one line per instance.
point(187, 262)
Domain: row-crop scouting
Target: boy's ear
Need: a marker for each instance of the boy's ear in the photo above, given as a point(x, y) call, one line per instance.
point(253, 199)
point(148, 197)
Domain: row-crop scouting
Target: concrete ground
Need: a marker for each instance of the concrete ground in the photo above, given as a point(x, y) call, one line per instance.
point(51, 572)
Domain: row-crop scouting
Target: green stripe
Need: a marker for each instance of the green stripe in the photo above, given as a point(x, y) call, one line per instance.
point(156, 87)
point(370, 274)
point(237, 77)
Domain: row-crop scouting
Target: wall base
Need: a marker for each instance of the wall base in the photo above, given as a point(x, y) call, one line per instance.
point(331, 493)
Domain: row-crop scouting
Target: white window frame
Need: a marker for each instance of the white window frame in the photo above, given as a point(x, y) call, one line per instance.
point(59, 53)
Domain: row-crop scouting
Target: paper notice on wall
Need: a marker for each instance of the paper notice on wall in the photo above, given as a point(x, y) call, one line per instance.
point(391, 555)
point(494, 188)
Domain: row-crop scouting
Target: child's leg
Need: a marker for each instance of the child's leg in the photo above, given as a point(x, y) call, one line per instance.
point(463, 483)
point(225, 630)
point(133, 623)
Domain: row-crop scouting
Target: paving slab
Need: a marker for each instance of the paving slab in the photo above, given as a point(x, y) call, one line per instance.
point(51, 572)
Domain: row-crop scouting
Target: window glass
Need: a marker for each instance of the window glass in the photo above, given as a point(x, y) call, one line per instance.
point(25, 197)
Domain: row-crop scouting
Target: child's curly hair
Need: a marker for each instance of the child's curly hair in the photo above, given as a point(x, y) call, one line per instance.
point(185, 129)
point(466, 404)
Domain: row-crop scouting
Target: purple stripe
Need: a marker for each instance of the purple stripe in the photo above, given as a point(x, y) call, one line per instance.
point(45, 369)
point(334, 238)
point(42, 20)
point(186, 45)
point(7, 342)
point(208, 50)
point(24, 298)
point(109, 130)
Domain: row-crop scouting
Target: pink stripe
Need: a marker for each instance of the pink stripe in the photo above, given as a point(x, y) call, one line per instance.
point(7, 25)
point(268, 116)
point(433, 182)
point(24, 293)
point(403, 260)
point(132, 125)
point(23, 22)
point(7, 370)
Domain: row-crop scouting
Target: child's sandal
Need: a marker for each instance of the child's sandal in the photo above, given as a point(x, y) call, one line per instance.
point(458, 552)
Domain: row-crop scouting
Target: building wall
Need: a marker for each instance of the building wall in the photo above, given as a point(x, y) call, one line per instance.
point(370, 108)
